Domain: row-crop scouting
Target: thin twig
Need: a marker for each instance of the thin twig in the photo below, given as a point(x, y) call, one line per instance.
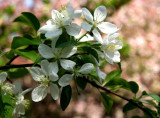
point(129, 100)
point(12, 60)
point(17, 66)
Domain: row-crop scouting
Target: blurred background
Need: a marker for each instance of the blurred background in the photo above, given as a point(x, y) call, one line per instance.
point(140, 56)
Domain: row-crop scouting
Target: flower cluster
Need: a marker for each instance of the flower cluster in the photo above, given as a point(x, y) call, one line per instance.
point(73, 60)
point(16, 92)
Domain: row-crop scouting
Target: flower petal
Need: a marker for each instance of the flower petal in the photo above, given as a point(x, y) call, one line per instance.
point(65, 80)
point(45, 51)
point(86, 26)
point(70, 12)
point(54, 91)
point(100, 13)
point(68, 52)
point(35, 72)
point(73, 29)
point(86, 68)
point(87, 38)
point(87, 14)
point(39, 93)
point(53, 67)
point(54, 14)
point(107, 27)
point(97, 36)
point(101, 74)
point(44, 66)
point(67, 64)
point(116, 57)
point(77, 13)
point(18, 88)
point(53, 76)
point(54, 33)
point(3, 77)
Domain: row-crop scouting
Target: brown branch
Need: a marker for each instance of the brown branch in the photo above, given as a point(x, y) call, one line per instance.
point(129, 100)
point(12, 60)
point(17, 66)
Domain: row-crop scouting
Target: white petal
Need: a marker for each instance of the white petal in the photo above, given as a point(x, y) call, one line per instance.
point(87, 14)
point(73, 29)
point(3, 77)
point(56, 32)
point(86, 68)
point(35, 72)
point(77, 13)
point(55, 14)
point(97, 36)
point(100, 13)
point(107, 27)
point(65, 80)
point(19, 110)
point(116, 57)
point(53, 67)
point(53, 76)
point(44, 66)
point(18, 87)
point(86, 26)
point(67, 64)
point(110, 60)
point(54, 91)
point(51, 31)
point(70, 11)
point(87, 38)
point(101, 74)
point(39, 93)
point(118, 45)
point(45, 51)
point(68, 51)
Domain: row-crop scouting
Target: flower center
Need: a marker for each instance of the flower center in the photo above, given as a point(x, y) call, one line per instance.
point(111, 47)
point(43, 80)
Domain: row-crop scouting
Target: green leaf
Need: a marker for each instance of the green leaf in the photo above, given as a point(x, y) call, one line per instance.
point(111, 75)
point(17, 72)
point(21, 41)
point(65, 41)
point(65, 97)
point(133, 86)
point(6, 106)
point(128, 107)
point(10, 54)
point(30, 54)
point(118, 82)
point(87, 58)
point(107, 102)
point(65, 44)
point(91, 51)
point(81, 83)
point(154, 96)
point(28, 19)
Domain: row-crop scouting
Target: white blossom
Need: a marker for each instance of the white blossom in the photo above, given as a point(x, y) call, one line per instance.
point(96, 22)
point(67, 78)
point(45, 75)
point(60, 20)
point(110, 46)
point(21, 103)
point(6, 87)
point(59, 53)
